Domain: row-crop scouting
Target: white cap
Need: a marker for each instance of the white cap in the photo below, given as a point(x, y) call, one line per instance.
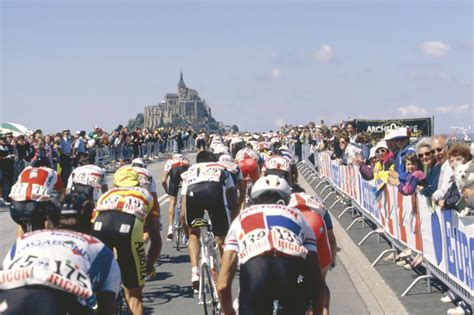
point(372, 152)
point(381, 144)
point(400, 132)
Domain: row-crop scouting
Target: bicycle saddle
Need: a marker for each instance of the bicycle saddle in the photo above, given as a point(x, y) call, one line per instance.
point(200, 222)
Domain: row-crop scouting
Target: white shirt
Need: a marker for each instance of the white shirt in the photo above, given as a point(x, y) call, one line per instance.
point(444, 181)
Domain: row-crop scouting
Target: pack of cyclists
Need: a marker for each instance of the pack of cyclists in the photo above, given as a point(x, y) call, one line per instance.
point(85, 239)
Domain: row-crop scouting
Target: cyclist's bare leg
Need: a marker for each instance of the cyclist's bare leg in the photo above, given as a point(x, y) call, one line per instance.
point(193, 247)
point(327, 295)
point(134, 300)
point(19, 231)
point(171, 210)
point(153, 229)
point(220, 244)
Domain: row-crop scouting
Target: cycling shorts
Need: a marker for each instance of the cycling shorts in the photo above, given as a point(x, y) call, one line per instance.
point(266, 279)
point(29, 212)
point(249, 168)
point(40, 300)
point(279, 173)
point(208, 196)
point(83, 189)
point(316, 222)
point(124, 232)
point(175, 179)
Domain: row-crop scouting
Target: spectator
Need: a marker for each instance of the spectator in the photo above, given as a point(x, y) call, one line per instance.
point(414, 168)
point(65, 161)
point(458, 154)
point(6, 170)
point(350, 129)
point(430, 167)
point(440, 148)
point(398, 141)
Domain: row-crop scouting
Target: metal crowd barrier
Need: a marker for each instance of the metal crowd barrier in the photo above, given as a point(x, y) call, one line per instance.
point(311, 172)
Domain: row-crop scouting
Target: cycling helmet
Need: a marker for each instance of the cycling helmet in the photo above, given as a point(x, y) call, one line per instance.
point(126, 177)
point(270, 189)
point(73, 212)
point(41, 161)
point(225, 158)
point(138, 162)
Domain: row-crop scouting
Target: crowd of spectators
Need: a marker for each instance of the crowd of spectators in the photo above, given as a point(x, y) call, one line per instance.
point(425, 165)
point(64, 149)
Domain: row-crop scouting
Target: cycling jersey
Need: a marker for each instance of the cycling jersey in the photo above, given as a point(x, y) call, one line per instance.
point(234, 171)
point(204, 187)
point(64, 260)
point(270, 230)
point(314, 213)
point(175, 166)
point(36, 184)
point(146, 179)
point(277, 165)
point(246, 153)
point(88, 175)
point(118, 220)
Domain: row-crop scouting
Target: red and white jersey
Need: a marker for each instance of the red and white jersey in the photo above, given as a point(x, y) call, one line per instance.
point(146, 179)
point(277, 162)
point(36, 184)
point(176, 160)
point(270, 230)
point(304, 201)
point(246, 153)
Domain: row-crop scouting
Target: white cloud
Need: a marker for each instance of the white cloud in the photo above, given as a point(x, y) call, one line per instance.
point(279, 122)
point(452, 109)
point(434, 48)
point(276, 73)
point(324, 53)
point(412, 110)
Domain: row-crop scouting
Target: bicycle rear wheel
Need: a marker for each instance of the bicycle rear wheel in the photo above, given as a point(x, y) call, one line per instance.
point(209, 298)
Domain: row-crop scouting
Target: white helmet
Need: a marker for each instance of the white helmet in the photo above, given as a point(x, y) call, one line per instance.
point(225, 158)
point(139, 163)
point(270, 189)
point(221, 149)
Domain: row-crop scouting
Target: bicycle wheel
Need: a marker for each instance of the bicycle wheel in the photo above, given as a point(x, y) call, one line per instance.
point(209, 298)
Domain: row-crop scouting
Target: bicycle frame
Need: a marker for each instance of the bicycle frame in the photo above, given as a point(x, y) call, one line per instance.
point(208, 258)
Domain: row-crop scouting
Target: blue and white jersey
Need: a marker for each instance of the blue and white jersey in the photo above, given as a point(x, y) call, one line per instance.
point(61, 259)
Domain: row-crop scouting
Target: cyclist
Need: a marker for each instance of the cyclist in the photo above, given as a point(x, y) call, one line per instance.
point(263, 150)
point(236, 144)
point(201, 142)
point(248, 160)
point(148, 182)
point(31, 193)
point(278, 165)
point(87, 178)
point(277, 251)
point(174, 167)
point(60, 270)
point(236, 173)
point(119, 220)
point(290, 155)
point(320, 221)
point(207, 185)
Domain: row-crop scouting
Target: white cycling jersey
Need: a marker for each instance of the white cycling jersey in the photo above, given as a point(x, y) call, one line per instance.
point(64, 260)
point(304, 200)
point(88, 175)
point(146, 179)
point(277, 162)
point(206, 172)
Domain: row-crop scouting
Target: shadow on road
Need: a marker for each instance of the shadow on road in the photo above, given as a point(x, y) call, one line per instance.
point(174, 259)
point(164, 293)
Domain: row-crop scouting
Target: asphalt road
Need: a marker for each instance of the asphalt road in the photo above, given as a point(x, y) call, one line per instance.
point(170, 292)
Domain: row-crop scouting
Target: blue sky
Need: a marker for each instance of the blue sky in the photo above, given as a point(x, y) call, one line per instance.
point(77, 64)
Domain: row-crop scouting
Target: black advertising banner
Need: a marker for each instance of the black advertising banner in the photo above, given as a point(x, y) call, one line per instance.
point(419, 127)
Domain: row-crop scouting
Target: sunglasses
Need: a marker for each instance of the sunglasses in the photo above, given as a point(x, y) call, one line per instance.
point(426, 154)
point(382, 150)
point(342, 141)
point(437, 150)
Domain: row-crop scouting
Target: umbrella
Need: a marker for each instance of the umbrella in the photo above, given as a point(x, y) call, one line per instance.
point(14, 128)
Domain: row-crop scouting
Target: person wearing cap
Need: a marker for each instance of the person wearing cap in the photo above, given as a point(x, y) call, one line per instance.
point(398, 141)
point(6, 170)
point(119, 220)
point(65, 161)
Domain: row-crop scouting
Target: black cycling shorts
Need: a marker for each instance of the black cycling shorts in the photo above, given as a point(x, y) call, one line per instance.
point(29, 212)
point(40, 300)
point(280, 173)
point(83, 189)
point(208, 196)
point(266, 279)
point(124, 232)
point(175, 179)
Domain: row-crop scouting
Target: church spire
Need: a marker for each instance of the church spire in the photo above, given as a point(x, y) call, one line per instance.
point(181, 81)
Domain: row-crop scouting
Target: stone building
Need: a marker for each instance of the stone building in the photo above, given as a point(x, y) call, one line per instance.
point(180, 109)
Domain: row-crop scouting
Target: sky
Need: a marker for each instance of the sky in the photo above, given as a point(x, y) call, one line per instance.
point(258, 64)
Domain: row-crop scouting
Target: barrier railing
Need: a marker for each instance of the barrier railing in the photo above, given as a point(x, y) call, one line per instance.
point(444, 239)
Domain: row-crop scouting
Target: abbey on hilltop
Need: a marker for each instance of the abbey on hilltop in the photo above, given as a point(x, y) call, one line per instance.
point(181, 109)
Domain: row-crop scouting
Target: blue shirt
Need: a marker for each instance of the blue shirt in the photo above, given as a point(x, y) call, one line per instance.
point(65, 146)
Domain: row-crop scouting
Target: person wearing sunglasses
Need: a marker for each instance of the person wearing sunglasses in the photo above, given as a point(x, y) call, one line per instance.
point(430, 167)
point(439, 148)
